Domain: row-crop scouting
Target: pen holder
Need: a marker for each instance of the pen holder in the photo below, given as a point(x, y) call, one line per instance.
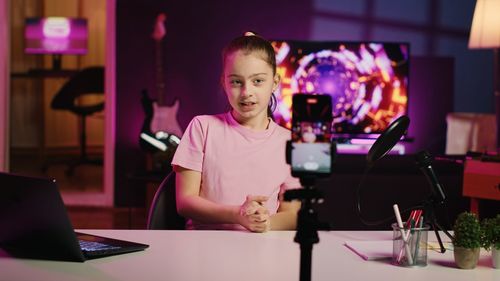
point(409, 246)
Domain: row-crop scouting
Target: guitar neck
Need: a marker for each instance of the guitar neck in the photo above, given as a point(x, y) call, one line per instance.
point(160, 84)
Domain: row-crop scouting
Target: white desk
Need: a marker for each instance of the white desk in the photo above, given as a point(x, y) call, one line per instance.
point(221, 255)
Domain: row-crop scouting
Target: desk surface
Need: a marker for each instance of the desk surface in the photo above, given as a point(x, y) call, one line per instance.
point(223, 255)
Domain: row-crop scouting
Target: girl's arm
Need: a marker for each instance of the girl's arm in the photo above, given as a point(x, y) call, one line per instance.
point(286, 217)
point(191, 205)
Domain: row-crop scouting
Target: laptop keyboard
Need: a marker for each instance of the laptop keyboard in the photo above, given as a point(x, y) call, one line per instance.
point(96, 247)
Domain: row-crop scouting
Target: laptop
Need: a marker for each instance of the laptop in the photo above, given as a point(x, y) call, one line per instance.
point(34, 224)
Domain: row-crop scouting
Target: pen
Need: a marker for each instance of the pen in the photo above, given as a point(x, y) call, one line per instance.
point(414, 218)
point(411, 236)
point(410, 224)
point(420, 225)
point(403, 234)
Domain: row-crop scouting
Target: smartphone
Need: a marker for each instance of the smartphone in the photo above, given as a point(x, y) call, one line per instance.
point(311, 149)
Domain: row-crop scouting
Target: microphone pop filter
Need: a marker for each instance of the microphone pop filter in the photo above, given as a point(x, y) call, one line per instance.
point(388, 139)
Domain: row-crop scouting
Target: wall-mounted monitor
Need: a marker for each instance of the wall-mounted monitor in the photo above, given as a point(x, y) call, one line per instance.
point(368, 82)
point(56, 35)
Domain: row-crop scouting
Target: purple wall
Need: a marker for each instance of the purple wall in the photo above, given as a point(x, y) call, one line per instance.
point(430, 99)
point(196, 33)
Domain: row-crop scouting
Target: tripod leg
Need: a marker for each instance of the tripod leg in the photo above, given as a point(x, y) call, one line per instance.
point(444, 230)
point(305, 261)
point(306, 236)
point(438, 238)
point(429, 210)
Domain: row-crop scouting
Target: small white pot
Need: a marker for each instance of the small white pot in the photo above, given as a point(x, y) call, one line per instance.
point(466, 258)
point(495, 257)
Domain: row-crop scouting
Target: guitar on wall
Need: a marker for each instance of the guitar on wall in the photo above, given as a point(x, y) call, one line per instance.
point(160, 129)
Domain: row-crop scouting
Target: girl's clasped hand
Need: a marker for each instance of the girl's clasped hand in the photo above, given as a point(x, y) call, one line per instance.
point(253, 215)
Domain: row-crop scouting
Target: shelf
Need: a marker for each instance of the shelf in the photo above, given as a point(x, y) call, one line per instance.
point(45, 73)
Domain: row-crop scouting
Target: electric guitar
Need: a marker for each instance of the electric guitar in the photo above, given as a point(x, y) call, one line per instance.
point(160, 130)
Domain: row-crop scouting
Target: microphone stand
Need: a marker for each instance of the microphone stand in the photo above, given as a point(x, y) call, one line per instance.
point(436, 199)
point(307, 222)
point(429, 207)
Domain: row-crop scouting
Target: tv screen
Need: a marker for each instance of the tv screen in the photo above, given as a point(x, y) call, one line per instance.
point(56, 35)
point(368, 82)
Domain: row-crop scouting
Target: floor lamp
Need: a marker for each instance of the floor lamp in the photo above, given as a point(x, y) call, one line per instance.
point(485, 34)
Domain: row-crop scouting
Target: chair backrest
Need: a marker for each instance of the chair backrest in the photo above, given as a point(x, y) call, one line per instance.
point(163, 211)
point(90, 80)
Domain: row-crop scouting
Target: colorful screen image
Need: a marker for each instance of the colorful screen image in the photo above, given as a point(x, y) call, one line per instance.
point(56, 35)
point(367, 81)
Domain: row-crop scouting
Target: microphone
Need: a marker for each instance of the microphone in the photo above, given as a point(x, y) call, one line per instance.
point(424, 162)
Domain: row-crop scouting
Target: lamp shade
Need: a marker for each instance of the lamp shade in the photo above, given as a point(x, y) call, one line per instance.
point(485, 31)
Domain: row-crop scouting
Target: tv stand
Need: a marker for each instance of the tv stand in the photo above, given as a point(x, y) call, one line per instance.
point(56, 62)
point(45, 73)
point(55, 72)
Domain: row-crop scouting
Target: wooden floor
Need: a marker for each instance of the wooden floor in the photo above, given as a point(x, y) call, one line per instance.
point(84, 178)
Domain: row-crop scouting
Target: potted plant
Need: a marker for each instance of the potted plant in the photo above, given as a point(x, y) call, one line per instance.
point(491, 238)
point(467, 240)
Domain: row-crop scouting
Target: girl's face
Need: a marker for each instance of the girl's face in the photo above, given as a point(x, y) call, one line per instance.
point(249, 82)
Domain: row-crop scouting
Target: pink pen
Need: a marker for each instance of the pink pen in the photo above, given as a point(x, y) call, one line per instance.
point(403, 235)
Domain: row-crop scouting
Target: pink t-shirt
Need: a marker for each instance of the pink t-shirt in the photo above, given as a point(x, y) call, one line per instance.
point(234, 162)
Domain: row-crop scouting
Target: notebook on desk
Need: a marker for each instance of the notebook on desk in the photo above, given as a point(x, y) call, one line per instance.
point(34, 224)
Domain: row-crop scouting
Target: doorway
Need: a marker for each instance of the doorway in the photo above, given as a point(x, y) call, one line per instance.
point(43, 141)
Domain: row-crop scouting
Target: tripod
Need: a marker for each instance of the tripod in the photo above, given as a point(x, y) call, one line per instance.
point(437, 198)
point(429, 208)
point(307, 222)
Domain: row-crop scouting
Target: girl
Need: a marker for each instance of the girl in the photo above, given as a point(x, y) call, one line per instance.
point(230, 168)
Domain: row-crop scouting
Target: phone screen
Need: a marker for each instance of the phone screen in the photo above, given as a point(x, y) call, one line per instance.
point(311, 148)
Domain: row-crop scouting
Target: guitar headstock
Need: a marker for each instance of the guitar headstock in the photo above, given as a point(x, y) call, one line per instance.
point(160, 31)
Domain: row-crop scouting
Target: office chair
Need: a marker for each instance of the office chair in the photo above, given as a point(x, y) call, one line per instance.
point(88, 81)
point(163, 211)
